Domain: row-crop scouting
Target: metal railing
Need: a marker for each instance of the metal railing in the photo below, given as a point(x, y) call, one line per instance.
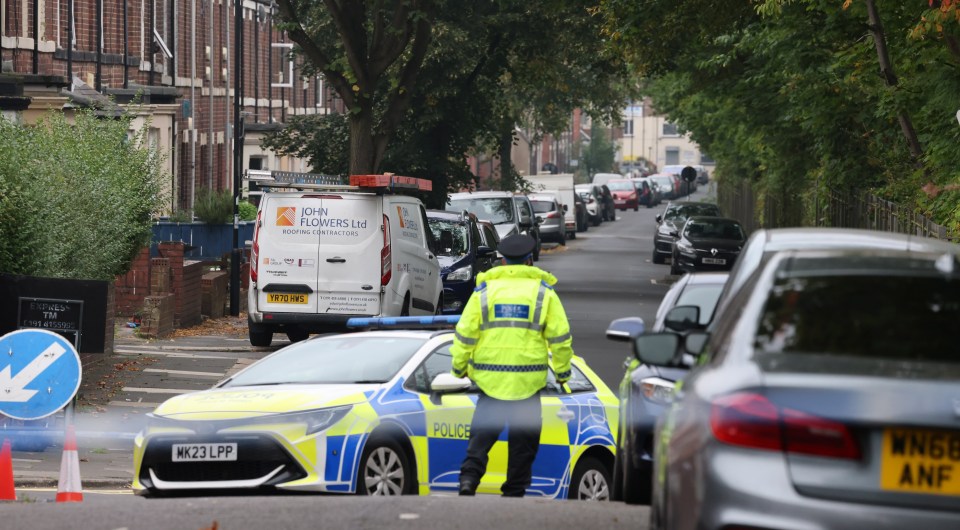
point(830, 208)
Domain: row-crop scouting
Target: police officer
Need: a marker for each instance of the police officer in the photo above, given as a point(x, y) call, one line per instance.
point(509, 326)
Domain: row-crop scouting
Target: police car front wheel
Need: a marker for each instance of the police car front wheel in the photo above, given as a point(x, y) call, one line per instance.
point(590, 481)
point(384, 469)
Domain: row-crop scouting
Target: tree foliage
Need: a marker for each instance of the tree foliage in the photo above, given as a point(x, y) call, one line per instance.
point(76, 200)
point(489, 66)
point(790, 94)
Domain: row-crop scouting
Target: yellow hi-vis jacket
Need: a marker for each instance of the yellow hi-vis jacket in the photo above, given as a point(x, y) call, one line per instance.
point(510, 325)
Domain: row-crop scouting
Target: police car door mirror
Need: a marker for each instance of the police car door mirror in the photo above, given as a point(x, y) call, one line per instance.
point(658, 349)
point(659, 218)
point(625, 329)
point(682, 318)
point(694, 342)
point(446, 383)
point(484, 251)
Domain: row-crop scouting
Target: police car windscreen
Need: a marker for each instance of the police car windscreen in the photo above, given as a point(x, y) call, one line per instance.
point(497, 210)
point(340, 359)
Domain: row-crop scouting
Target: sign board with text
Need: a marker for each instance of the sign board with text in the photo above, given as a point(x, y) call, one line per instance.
point(60, 316)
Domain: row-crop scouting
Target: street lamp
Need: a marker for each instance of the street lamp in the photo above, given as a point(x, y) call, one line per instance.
point(238, 134)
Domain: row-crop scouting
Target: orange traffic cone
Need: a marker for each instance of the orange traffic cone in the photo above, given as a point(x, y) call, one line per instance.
point(69, 488)
point(7, 490)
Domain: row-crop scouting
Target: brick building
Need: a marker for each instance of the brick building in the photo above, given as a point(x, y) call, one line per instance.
point(173, 62)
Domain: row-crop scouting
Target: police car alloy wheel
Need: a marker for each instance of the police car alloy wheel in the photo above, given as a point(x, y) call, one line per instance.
point(383, 469)
point(590, 481)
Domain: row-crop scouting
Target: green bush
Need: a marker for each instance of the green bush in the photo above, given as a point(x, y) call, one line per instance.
point(248, 212)
point(214, 207)
point(76, 199)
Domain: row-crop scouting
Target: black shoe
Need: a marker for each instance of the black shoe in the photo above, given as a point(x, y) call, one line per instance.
point(468, 488)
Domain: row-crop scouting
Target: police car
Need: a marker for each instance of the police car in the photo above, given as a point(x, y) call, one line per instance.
point(375, 413)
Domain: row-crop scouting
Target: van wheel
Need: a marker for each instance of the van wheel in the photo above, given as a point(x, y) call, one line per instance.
point(260, 335)
point(405, 310)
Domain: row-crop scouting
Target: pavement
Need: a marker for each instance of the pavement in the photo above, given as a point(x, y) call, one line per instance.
point(118, 391)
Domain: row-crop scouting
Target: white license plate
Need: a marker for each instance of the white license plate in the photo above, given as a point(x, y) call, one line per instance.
point(619, 201)
point(714, 261)
point(226, 452)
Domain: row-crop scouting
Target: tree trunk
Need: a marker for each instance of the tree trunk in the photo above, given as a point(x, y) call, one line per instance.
point(506, 148)
point(886, 69)
point(363, 155)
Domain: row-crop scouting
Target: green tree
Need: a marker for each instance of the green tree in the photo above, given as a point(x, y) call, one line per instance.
point(600, 152)
point(76, 200)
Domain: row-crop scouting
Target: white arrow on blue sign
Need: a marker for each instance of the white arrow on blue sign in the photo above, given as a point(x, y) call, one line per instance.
point(39, 373)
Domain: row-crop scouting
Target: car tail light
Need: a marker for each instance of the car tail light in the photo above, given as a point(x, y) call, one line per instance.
point(747, 419)
point(386, 267)
point(255, 250)
point(553, 215)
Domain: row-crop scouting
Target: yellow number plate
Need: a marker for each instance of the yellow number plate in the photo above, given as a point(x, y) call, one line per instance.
point(284, 298)
point(921, 461)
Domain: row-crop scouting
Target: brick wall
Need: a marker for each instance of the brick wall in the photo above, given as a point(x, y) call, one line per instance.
point(133, 287)
point(214, 285)
point(158, 316)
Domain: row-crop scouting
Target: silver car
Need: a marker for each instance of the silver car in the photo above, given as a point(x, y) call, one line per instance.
point(549, 213)
point(829, 398)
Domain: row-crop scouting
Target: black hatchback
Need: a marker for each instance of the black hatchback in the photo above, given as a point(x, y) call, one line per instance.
point(707, 244)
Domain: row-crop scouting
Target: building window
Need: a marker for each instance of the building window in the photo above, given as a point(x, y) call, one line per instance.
point(670, 129)
point(706, 159)
point(628, 127)
point(672, 156)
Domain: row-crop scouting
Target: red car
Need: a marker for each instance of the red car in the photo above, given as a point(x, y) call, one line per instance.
point(625, 194)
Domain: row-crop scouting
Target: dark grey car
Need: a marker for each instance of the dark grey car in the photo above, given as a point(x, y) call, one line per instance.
point(829, 399)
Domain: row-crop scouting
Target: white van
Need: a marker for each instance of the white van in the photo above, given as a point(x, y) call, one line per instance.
point(324, 252)
point(562, 185)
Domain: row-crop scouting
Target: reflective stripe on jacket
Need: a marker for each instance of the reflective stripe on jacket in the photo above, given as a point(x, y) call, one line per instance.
point(509, 327)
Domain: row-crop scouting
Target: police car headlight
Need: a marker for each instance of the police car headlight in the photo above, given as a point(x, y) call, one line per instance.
point(315, 420)
point(657, 390)
point(461, 274)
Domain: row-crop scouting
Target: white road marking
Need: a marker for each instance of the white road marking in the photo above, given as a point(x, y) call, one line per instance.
point(157, 390)
point(187, 373)
point(135, 404)
point(172, 354)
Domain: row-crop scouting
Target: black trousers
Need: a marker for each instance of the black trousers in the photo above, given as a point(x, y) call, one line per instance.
point(524, 421)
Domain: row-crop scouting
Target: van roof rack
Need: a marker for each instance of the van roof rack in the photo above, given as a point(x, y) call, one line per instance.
point(387, 182)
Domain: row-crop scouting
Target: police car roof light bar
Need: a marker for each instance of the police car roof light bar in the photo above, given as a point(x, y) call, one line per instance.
point(430, 322)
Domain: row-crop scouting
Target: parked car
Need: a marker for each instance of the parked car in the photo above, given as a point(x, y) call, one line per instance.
point(462, 255)
point(703, 176)
point(549, 212)
point(604, 178)
point(370, 413)
point(647, 194)
point(489, 236)
point(645, 390)
point(669, 188)
point(707, 244)
point(591, 199)
point(671, 221)
point(686, 188)
point(625, 194)
point(510, 214)
point(834, 384)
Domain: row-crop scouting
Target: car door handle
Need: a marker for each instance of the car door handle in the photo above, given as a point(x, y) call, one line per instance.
point(565, 414)
point(336, 260)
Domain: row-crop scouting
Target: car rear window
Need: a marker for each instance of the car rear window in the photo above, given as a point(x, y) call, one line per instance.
point(891, 317)
point(543, 206)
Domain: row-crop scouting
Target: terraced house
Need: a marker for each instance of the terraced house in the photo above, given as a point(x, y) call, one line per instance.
point(173, 62)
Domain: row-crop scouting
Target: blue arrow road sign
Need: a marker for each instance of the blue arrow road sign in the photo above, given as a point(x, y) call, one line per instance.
point(39, 373)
